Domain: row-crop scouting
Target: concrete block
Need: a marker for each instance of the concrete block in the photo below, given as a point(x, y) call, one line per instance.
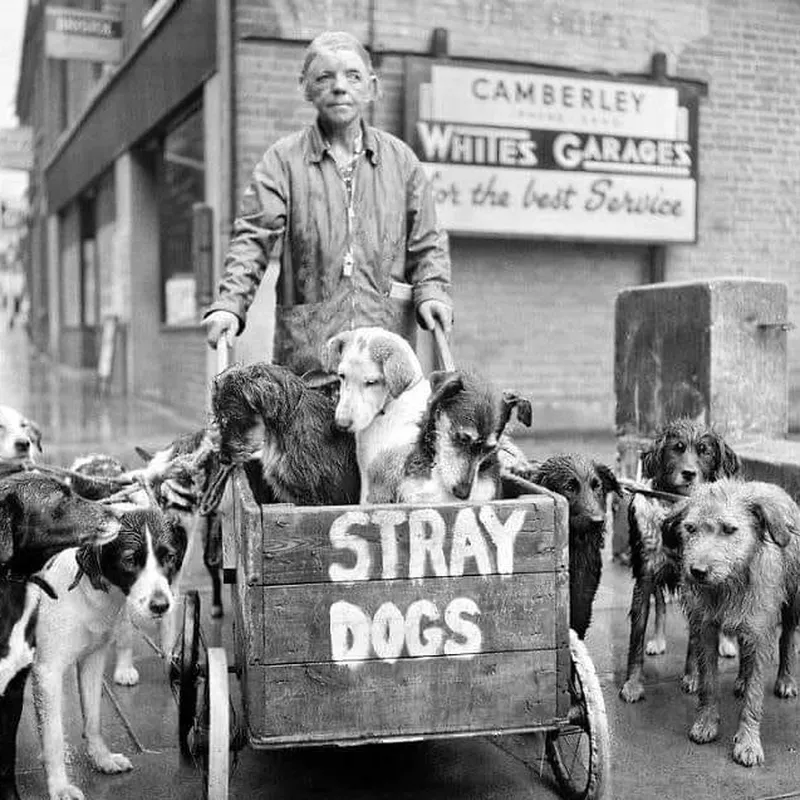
point(711, 350)
point(774, 461)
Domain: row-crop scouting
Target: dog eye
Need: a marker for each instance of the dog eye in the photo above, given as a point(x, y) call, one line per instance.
point(689, 527)
point(371, 382)
point(701, 449)
point(573, 485)
point(729, 529)
point(680, 447)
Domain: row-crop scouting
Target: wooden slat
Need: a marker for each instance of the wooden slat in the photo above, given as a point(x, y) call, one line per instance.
point(297, 544)
point(516, 613)
point(414, 697)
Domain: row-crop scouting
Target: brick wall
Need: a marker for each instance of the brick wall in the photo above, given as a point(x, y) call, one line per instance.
point(540, 315)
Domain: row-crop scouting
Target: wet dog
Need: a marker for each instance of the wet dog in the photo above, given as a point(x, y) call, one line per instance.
point(39, 516)
point(456, 454)
point(264, 412)
point(740, 545)
point(20, 440)
point(382, 393)
point(175, 478)
point(684, 455)
point(95, 585)
point(586, 485)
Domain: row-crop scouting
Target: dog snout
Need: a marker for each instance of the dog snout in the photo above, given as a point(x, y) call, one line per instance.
point(699, 572)
point(159, 604)
point(22, 446)
point(688, 474)
point(462, 490)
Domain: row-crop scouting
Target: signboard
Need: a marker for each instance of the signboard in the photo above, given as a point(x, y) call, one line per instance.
point(545, 155)
point(71, 33)
point(16, 148)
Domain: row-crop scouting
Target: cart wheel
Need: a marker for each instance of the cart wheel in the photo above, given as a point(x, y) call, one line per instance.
point(185, 670)
point(219, 735)
point(579, 752)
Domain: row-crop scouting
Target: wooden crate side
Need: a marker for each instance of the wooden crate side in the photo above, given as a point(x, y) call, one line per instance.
point(412, 697)
point(327, 621)
point(305, 545)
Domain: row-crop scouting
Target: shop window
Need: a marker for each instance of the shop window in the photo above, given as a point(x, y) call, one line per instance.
point(182, 184)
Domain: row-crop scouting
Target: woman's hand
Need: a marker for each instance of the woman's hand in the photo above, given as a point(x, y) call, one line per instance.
point(219, 323)
point(433, 312)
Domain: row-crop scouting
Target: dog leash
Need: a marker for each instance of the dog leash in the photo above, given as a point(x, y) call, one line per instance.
point(635, 488)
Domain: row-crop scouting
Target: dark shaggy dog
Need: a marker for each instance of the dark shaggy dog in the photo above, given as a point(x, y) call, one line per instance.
point(684, 455)
point(741, 576)
point(586, 485)
point(39, 517)
point(267, 412)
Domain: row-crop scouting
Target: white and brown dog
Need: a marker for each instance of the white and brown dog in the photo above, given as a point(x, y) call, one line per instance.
point(457, 453)
point(382, 393)
point(94, 586)
point(20, 440)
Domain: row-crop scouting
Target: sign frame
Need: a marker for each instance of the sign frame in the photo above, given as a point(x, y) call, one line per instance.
point(418, 74)
point(95, 36)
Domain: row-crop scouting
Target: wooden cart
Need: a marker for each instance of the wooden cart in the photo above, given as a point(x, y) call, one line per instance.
point(364, 624)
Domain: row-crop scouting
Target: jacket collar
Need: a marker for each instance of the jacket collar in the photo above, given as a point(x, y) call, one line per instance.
point(317, 147)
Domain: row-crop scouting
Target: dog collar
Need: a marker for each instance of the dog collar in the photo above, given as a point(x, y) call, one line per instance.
point(9, 576)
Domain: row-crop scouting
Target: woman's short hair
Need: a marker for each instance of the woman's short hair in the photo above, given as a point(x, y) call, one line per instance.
point(334, 40)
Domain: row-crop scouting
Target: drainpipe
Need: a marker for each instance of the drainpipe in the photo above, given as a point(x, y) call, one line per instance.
point(656, 269)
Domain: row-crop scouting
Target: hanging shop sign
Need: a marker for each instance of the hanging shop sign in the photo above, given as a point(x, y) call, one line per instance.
point(546, 155)
point(72, 33)
point(16, 148)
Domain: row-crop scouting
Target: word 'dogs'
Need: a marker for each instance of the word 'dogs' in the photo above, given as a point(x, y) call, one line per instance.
point(397, 544)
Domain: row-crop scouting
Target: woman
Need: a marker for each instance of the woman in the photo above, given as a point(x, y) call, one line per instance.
point(353, 211)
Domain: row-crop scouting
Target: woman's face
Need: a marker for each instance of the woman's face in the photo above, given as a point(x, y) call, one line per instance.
point(339, 86)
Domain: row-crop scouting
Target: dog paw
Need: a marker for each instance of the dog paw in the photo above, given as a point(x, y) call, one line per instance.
point(785, 686)
point(126, 676)
point(632, 691)
point(111, 763)
point(690, 683)
point(656, 646)
point(705, 727)
point(727, 647)
point(747, 749)
point(67, 792)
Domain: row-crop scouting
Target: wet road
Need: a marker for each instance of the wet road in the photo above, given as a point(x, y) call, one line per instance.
point(651, 754)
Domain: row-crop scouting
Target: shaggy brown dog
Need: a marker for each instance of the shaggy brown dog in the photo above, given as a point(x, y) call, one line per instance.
point(684, 455)
point(585, 484)
point(741, 576)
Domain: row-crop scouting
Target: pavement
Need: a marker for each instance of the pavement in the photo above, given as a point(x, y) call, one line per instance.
point(651, 756)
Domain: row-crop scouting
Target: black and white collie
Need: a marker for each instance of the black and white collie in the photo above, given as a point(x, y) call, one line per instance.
point(95, 585)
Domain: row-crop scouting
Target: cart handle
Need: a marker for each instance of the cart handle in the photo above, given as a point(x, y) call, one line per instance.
point(223, 352)
point(443, 348)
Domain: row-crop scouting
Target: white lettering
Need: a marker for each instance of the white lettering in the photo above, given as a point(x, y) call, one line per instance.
point(426, 532)
point(388, 521)
point(503, 534)
point(350, 632)
point(388, 632)
point(342, 539)
point(420, 641)
point(468, 542)
point(456, 618)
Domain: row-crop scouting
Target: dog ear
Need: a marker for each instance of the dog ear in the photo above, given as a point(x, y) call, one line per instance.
point(652, 458)
point(332, 350)
point(145, 455)
point(607, 478)
point(776, 514)
point(35, 434)
point(671, 526)
point(10, 512)
point(444, 385)
point(508, 403)
point(727, 462)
